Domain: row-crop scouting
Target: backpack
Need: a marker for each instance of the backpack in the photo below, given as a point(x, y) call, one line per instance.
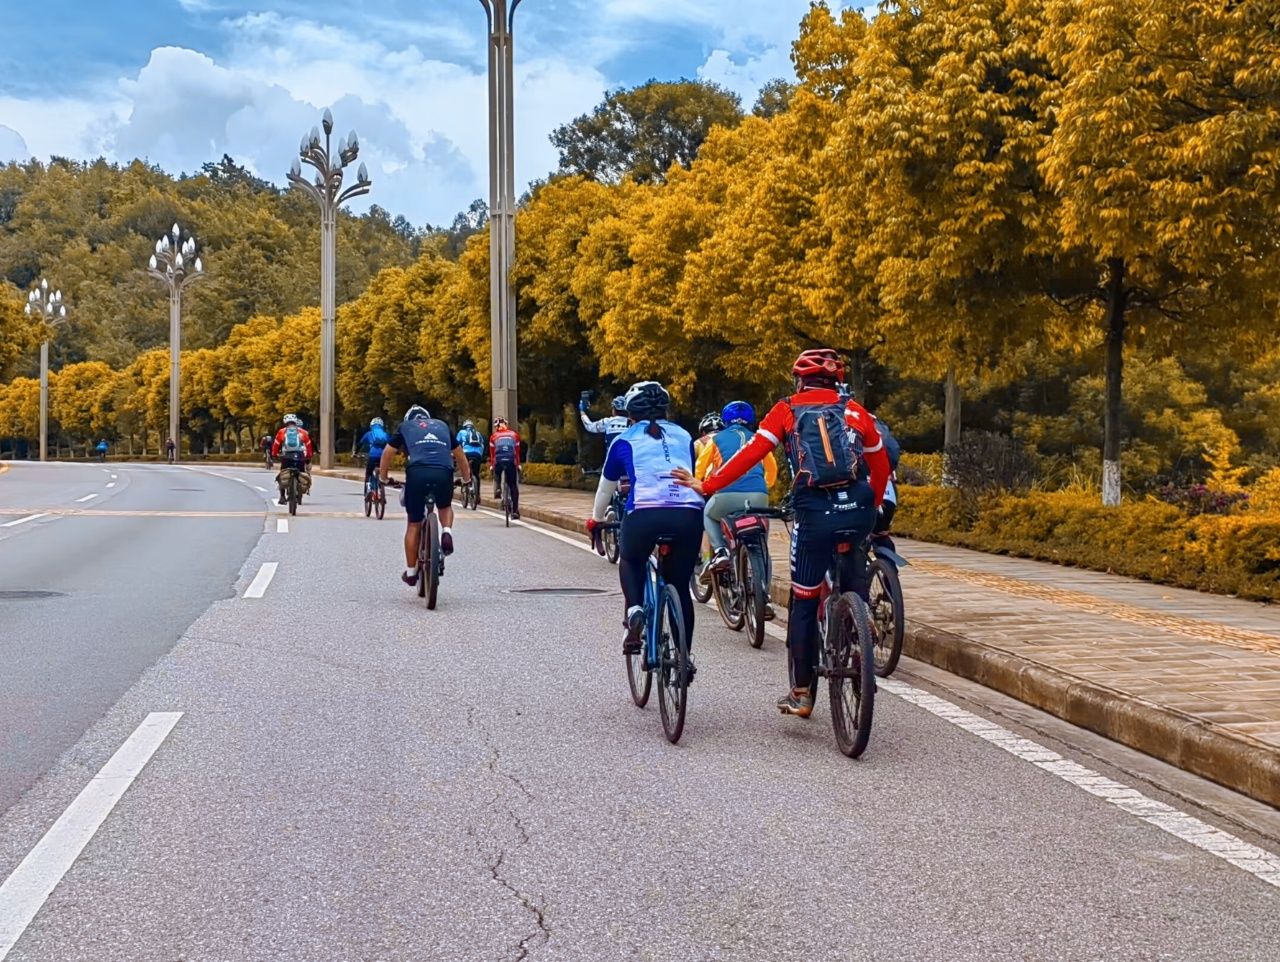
point(827, 452)
point(504, 449)
point(891, 446)
point(293, 440)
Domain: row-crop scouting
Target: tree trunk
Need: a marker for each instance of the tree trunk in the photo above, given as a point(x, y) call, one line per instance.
point(1116, 304)
point(951, 414)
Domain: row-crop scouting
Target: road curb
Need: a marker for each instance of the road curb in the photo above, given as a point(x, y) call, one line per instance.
point(1190, 743)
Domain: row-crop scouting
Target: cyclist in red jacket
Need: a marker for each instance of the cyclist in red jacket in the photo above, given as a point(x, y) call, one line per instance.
point(824, 503)
point(293, 447)
point(504, 460)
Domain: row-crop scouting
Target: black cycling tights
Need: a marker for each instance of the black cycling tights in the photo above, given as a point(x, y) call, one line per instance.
point(640, 532)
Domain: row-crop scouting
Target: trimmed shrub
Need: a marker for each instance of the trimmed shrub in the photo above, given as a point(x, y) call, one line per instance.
point(1228, 554)
point(558, 476)
point(920, 469)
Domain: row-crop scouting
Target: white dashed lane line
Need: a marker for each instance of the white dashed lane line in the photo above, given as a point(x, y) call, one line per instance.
point(87, 497)
point(111, 484)
point(282, 525)
point(25, 891)
point(30, 517)
point(258, 587)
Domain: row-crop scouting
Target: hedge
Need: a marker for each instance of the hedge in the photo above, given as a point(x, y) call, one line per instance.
point(1237, 554)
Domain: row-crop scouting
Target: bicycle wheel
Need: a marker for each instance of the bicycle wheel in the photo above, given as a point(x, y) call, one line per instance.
point(851, 675)
point(609, 537)
point(381, 505)
point(369, 497)
point(506, 500)
point(673, 664)
point(475, 491)
point(293, 494)
point(886, 616)
point(755, 592)
point(701, 589)
point(433, 560)
point(728, 594)
point(639, 680)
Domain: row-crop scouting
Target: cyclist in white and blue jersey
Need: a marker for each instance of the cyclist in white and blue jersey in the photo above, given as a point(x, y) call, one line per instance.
point(647, 453)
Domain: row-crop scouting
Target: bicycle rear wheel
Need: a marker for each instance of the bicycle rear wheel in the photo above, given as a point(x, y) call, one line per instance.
point(369, 496)
point(751, 576)
point(673, 664)
point(851, 674)
point(609, 537)
point(506, 500)
point(433, 560)
point(728, 598)
point(887, 616)
point(293, 494)
point(380, 508)
point(639, 680)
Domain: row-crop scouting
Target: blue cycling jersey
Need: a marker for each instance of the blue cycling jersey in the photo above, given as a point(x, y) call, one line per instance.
point(375, 439)
point(648, 462)
point(472, 443)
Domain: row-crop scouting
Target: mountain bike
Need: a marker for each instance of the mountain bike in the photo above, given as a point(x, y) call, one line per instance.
point(430, 566)
point(471, 492)
point(293, 488)
point(375, 497)
point(506, 499)
point(846, 649)
point(666, 646)
point(742, 591)
point(888, 615)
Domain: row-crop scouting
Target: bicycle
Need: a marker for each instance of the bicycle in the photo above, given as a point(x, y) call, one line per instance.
point(846, 652)
point(430, 567)
point(375, 498)
point(506, 499)
point(666, 646)
point(742, 592)
point(293, 489)
point(471, 492)
point(888, 615)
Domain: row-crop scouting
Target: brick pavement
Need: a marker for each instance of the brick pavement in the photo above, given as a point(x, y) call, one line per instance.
point(1188, 677)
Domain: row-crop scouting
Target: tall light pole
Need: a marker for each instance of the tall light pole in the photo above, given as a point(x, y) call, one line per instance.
point(176, 264)
point(49, 308)
point(326, 190)
point(502, 205)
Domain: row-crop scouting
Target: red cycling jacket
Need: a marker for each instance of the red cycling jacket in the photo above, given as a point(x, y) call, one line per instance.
point(505, 433)
point(306, 442)
point(776, 426)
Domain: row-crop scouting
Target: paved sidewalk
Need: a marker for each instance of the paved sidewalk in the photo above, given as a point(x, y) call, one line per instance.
point(1188, 677)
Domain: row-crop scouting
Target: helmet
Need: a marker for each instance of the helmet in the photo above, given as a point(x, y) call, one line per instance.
point(293, 419)
point(646, 399)
point(822, 363)
point(416, 410)
point(467, 424)
point(620, 402)
point(376, 423)
point(499, 422)
point(738, 412)
point(709, 423)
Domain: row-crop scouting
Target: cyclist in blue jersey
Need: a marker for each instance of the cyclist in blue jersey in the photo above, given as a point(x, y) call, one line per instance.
point(611, 426)
point(472, 443)
point(374, 441)
point(647, 453)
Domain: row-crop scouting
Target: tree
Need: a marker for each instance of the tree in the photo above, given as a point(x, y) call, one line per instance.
point(774, 98)
point(1165, 158)
point(645, 131)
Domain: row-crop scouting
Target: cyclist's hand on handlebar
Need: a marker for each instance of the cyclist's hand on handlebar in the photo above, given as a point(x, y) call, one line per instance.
point(686, 479)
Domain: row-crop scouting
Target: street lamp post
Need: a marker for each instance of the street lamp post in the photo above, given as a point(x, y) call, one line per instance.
point(326, 190)
point(175, 264)
point(49, 308)
point(502, 206)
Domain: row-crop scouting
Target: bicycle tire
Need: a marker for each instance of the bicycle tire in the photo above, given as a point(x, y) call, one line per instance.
point(609, 537)
point(888, 618)
point(380, 508)
point(638, 680)
point(506, 500)
point(433, 561)
point(701, 590)
point(673, 665)
point(369, 497)
point(293, 495)
point(728, 595)
point(756, 595)
point(851, 672)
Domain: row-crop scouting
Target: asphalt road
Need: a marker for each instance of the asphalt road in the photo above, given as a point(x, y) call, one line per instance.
point(356, 778)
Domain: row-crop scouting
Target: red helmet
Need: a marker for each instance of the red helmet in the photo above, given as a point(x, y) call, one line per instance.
point(822, 362)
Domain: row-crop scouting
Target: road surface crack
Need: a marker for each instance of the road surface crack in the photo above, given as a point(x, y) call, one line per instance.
point(536, 910)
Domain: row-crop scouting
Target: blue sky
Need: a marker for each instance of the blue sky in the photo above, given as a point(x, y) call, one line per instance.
point(179, 82)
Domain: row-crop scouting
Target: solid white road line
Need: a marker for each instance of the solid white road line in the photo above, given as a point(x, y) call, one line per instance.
point(575, 542)
point(282, 525)
point(87, 497)
point(1257, 861)
point(258, 587)
point(25, 891)
point(30, 517)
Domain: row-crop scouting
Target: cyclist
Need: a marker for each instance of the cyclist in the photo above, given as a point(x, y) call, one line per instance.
point(888, 507)
point(504, 461)
point(472, 442)
point(611, 426)
point(375, 439)
point(647, 453)
point(839, 479)
point(293, 447)
point(432, 453)
point(264, 444)
point(752, 488)
point(707, 427)
point(170, 449)
point(102, 449)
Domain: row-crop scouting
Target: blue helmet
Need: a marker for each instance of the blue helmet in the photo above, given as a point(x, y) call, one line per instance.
point(738, 412)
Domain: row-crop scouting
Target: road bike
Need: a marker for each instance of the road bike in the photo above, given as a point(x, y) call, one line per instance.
point(665, 651)
point(846, 644)
point(430, 566)
point(375, 497)
point(471, 492)
point(506, 499)
point(888, 616)
point(742, 589)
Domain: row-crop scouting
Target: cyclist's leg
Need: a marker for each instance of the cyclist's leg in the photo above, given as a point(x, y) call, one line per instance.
point(415, 506)
point(639, 532)
point(369, 466)
point(720, 506)
point(811, 547)
point(442, 490)
point(884, 523)
point(513, 482)
point(686, 525)
point(855, 573)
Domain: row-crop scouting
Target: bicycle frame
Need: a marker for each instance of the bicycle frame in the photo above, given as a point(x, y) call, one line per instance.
point(654, 588)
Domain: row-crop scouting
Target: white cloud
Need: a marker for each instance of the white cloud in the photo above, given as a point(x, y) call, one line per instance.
point(12, 146)
point(745, 77)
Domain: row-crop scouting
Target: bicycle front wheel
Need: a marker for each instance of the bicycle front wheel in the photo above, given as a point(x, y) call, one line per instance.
point(610, 536)
point(887, 617)
point(673, 664)
point(639, 680)
point(851, 672)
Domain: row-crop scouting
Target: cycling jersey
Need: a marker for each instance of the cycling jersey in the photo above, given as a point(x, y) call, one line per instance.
point(723, 446)
point(425, 442)
point(775, 428)
point(647, 462)
point(504, 447)
point(307, 450)
point(375, 439)
point(472, 442)
point(610, 427)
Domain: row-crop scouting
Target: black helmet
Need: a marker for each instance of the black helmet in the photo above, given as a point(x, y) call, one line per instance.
point(646, 400)
point(710, 423)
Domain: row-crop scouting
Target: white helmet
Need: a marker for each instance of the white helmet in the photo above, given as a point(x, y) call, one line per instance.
point(416, 410)
point(293, 419)
point(376, 423)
